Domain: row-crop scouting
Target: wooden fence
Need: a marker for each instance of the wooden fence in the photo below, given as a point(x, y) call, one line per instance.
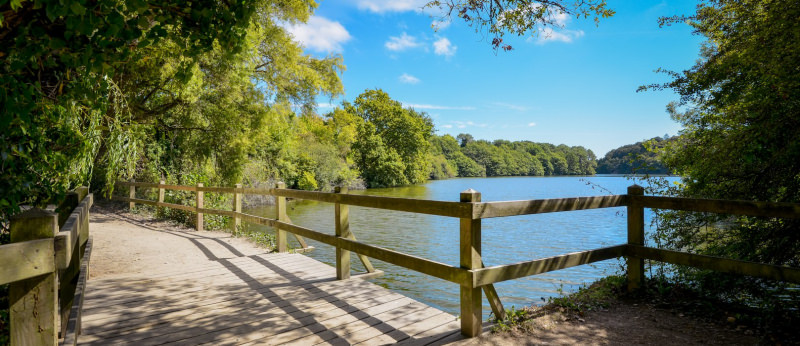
point(45, 266)
point(471, 275)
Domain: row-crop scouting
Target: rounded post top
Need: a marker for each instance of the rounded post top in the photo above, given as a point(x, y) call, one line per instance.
point(199, 184)
point(340, 189)
point(162, 182)
point(470, 195)
point(280, 185)
point(635, 190)
point(238, 186)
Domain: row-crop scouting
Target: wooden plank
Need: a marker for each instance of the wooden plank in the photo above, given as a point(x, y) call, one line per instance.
point(177, 187)
point(33, 303)
point(725, 265)
point(217, 212)
point(538, 206)
point(500, 273)
point(300, 240)
point(199, 200)
point(342, 228)
point(750, 208)
point(25, 260)
point(264, 191)
point(137, 184)
point(237, 208)
point(470, 259)
point(217, 189)
point(442, 208)
point(635, 237)
point(65, 242)
point(420, 206)
point(425, 266)
point(177, 206)
point(280, 215)
point(73, 323)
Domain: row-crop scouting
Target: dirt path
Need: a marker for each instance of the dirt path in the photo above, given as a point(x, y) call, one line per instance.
point(621, 324)
point(154, 245)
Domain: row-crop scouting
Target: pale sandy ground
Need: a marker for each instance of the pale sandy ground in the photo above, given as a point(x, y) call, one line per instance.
point(121, 250)
point(154, 246)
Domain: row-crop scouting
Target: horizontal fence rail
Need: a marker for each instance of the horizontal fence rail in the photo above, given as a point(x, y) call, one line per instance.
point(471, 275)
point(45, 266)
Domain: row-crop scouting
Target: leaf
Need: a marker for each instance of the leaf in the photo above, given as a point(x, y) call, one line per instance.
point(77, 8)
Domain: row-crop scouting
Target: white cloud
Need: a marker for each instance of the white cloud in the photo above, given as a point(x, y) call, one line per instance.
point(408, 79)
point(401, 43)
point(558, 32)
point(383, 6)
point(443, 46)
point(447, 126)
point(325, 105)
point(426, 106)
point(463, 124)
point(531, 124)
point(550, 35)
point(320, 34)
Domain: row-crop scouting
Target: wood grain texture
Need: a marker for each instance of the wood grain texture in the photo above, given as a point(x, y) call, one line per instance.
point(506, 272)
point(764, 209)
point(766, 271)
point(25, 260)
point(241, 301)
point(512, 208)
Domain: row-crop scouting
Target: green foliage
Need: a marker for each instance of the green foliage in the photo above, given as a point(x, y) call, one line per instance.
point(61, 102)
point(518, 17)
point(479, 158)
point(392, 146)
point(739, 111)
point(512, 320)
point(638, 158)
point(598, 295)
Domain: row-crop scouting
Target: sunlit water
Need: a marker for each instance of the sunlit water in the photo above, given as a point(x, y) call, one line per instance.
point(505, 240)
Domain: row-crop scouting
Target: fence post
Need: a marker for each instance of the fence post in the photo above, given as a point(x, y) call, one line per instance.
point(470, 251)
point(34, 302)
point(161, 191)
point(280, 215)
point(342, 213)
point(199, 206)
point(635, 236)
point(131, 195)
point(237, 208)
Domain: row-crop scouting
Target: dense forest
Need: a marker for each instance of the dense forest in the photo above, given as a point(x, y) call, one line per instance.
point(637, 158)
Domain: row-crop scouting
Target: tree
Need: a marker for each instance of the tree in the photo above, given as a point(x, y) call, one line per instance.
point(403, 131)
point(518, 17)
point(741, 138)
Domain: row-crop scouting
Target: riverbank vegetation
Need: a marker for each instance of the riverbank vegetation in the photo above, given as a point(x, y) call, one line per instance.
point(741, 141)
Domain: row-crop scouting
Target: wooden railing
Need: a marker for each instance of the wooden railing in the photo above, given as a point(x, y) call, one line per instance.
point(45, 266)
point(471, 275)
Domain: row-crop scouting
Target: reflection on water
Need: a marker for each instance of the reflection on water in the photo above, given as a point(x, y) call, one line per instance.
point(505, 240)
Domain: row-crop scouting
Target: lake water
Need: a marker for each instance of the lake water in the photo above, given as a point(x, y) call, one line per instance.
point(505, 240)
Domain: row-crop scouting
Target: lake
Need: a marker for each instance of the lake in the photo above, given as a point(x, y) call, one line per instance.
point(505, 240)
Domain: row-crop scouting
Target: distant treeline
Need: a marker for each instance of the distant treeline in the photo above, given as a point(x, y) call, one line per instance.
point(637, 158)
point(466, 157)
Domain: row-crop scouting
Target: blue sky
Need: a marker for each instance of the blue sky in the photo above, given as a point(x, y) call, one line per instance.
point(575, 86)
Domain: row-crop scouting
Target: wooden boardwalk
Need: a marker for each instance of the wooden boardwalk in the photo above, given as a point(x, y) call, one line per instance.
point(262, 299)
